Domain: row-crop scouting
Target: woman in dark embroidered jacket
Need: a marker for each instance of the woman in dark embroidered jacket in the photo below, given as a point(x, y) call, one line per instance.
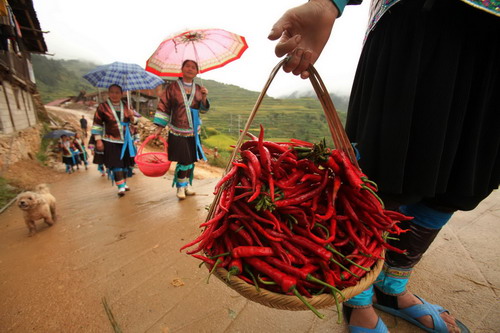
point(111, 130)
point(179, 109)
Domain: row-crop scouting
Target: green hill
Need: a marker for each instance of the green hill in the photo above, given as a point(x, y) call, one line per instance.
point(57, 79)
point(282, 118)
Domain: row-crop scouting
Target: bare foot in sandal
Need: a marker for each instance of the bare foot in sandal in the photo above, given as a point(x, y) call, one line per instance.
point(408, 299)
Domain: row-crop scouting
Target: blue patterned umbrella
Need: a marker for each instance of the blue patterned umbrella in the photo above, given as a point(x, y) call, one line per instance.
point(57, 134)
point(127, 76)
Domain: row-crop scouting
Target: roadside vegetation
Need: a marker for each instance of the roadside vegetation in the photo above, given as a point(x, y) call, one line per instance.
point(7, 192)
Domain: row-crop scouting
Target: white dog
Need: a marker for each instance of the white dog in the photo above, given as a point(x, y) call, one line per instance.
point(36, 205)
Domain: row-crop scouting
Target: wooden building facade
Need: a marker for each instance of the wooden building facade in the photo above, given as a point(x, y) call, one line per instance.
point(20, 35)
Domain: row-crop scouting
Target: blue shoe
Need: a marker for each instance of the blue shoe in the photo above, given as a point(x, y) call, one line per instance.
point(411, 314)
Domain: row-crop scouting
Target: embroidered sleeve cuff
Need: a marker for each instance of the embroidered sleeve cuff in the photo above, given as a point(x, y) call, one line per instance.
point(97, 137)
point(161, 119)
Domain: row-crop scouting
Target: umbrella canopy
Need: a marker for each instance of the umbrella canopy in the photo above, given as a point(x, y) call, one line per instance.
point(210, 48)
point(127, 76)
point(57, 134)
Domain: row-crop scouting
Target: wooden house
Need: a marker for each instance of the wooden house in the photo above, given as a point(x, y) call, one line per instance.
point(20, 36)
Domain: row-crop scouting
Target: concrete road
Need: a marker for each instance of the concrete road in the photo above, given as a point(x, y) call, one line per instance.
point(126, 251)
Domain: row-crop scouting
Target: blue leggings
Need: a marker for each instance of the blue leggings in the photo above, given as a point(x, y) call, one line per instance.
point(423, 229)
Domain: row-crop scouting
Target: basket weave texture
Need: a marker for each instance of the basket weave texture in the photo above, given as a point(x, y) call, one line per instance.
point(153, 164)
point(341, 142)
point(291, 302)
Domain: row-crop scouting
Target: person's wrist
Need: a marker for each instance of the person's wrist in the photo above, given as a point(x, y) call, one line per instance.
point(335, 7)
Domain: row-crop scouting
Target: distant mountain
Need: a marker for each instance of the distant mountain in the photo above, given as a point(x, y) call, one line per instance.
point(57, 79)
point(299, 116)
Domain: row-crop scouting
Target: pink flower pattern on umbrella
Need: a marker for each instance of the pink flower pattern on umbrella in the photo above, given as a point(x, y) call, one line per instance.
point(210, 48)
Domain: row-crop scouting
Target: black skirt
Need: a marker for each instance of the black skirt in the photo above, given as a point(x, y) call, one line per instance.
point(98, 157)
point(425, 107)
point(68, 160)
point(112, 153)
point(181, 149)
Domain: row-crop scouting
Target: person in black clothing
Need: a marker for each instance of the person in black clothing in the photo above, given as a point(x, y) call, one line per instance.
point(425, 119)
point(83, 125)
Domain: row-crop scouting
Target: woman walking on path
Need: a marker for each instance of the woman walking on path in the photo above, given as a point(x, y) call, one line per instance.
point(179, 108)
point(113, 137)
point(67, 153)
point(98, 156)
point(424, 113)
point(82, 152)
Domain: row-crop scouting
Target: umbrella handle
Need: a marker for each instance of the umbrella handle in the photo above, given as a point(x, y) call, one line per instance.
point(149, 138)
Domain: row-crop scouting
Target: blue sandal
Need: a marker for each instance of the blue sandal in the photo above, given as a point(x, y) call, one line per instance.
point(411, 313)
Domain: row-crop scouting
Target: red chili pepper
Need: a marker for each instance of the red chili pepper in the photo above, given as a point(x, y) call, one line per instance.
point(296, 253)
point(298, 142)
point(387, 245)
point(257, 190)
point(226, 177)
point(251, 251)
point(307, 233)
point(333, 165)
point(272, 146)
point(355, 197)
point(251, 231)
point(309, 245)
point(222, 229)
point(302, 289)
point(315, 178)
point(235, 267)
point(245, 212)
point(204, 235)
point(270, 181)
point(302, 198)
point(280, 161)
point(253, 175)
point(272, 217)
point(209, 261)
point(312, 167)
point(228, 197)
point(286, 282)
point(351, 172)
point(397, 215)
point(265, 156)
point(354, 237)
point(263, 231)
point(213, 220)
point(291, 181)
point(242, 195)
point(280, 251)
point(237, 229)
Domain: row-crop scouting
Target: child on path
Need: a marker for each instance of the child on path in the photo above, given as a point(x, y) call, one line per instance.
point(67, 155)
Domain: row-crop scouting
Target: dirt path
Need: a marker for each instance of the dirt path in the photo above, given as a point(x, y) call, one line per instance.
point(127, 251)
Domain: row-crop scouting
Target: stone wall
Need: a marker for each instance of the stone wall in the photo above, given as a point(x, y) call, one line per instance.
point(19, 145)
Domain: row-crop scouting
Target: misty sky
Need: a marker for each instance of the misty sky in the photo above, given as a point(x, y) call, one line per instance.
point(130, 31)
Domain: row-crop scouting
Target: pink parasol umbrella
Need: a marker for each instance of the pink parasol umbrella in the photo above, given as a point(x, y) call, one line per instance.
point(210, 48)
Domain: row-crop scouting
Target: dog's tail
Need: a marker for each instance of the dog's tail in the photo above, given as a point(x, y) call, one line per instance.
point(42, 188)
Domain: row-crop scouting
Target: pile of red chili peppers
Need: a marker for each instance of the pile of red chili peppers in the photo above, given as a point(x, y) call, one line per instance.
point(296, 218)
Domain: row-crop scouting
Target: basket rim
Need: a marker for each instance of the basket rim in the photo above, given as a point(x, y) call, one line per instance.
point(291, 302)
point(139, 161)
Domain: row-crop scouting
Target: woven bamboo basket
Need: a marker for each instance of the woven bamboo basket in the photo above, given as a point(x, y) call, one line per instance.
point(341, 141)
